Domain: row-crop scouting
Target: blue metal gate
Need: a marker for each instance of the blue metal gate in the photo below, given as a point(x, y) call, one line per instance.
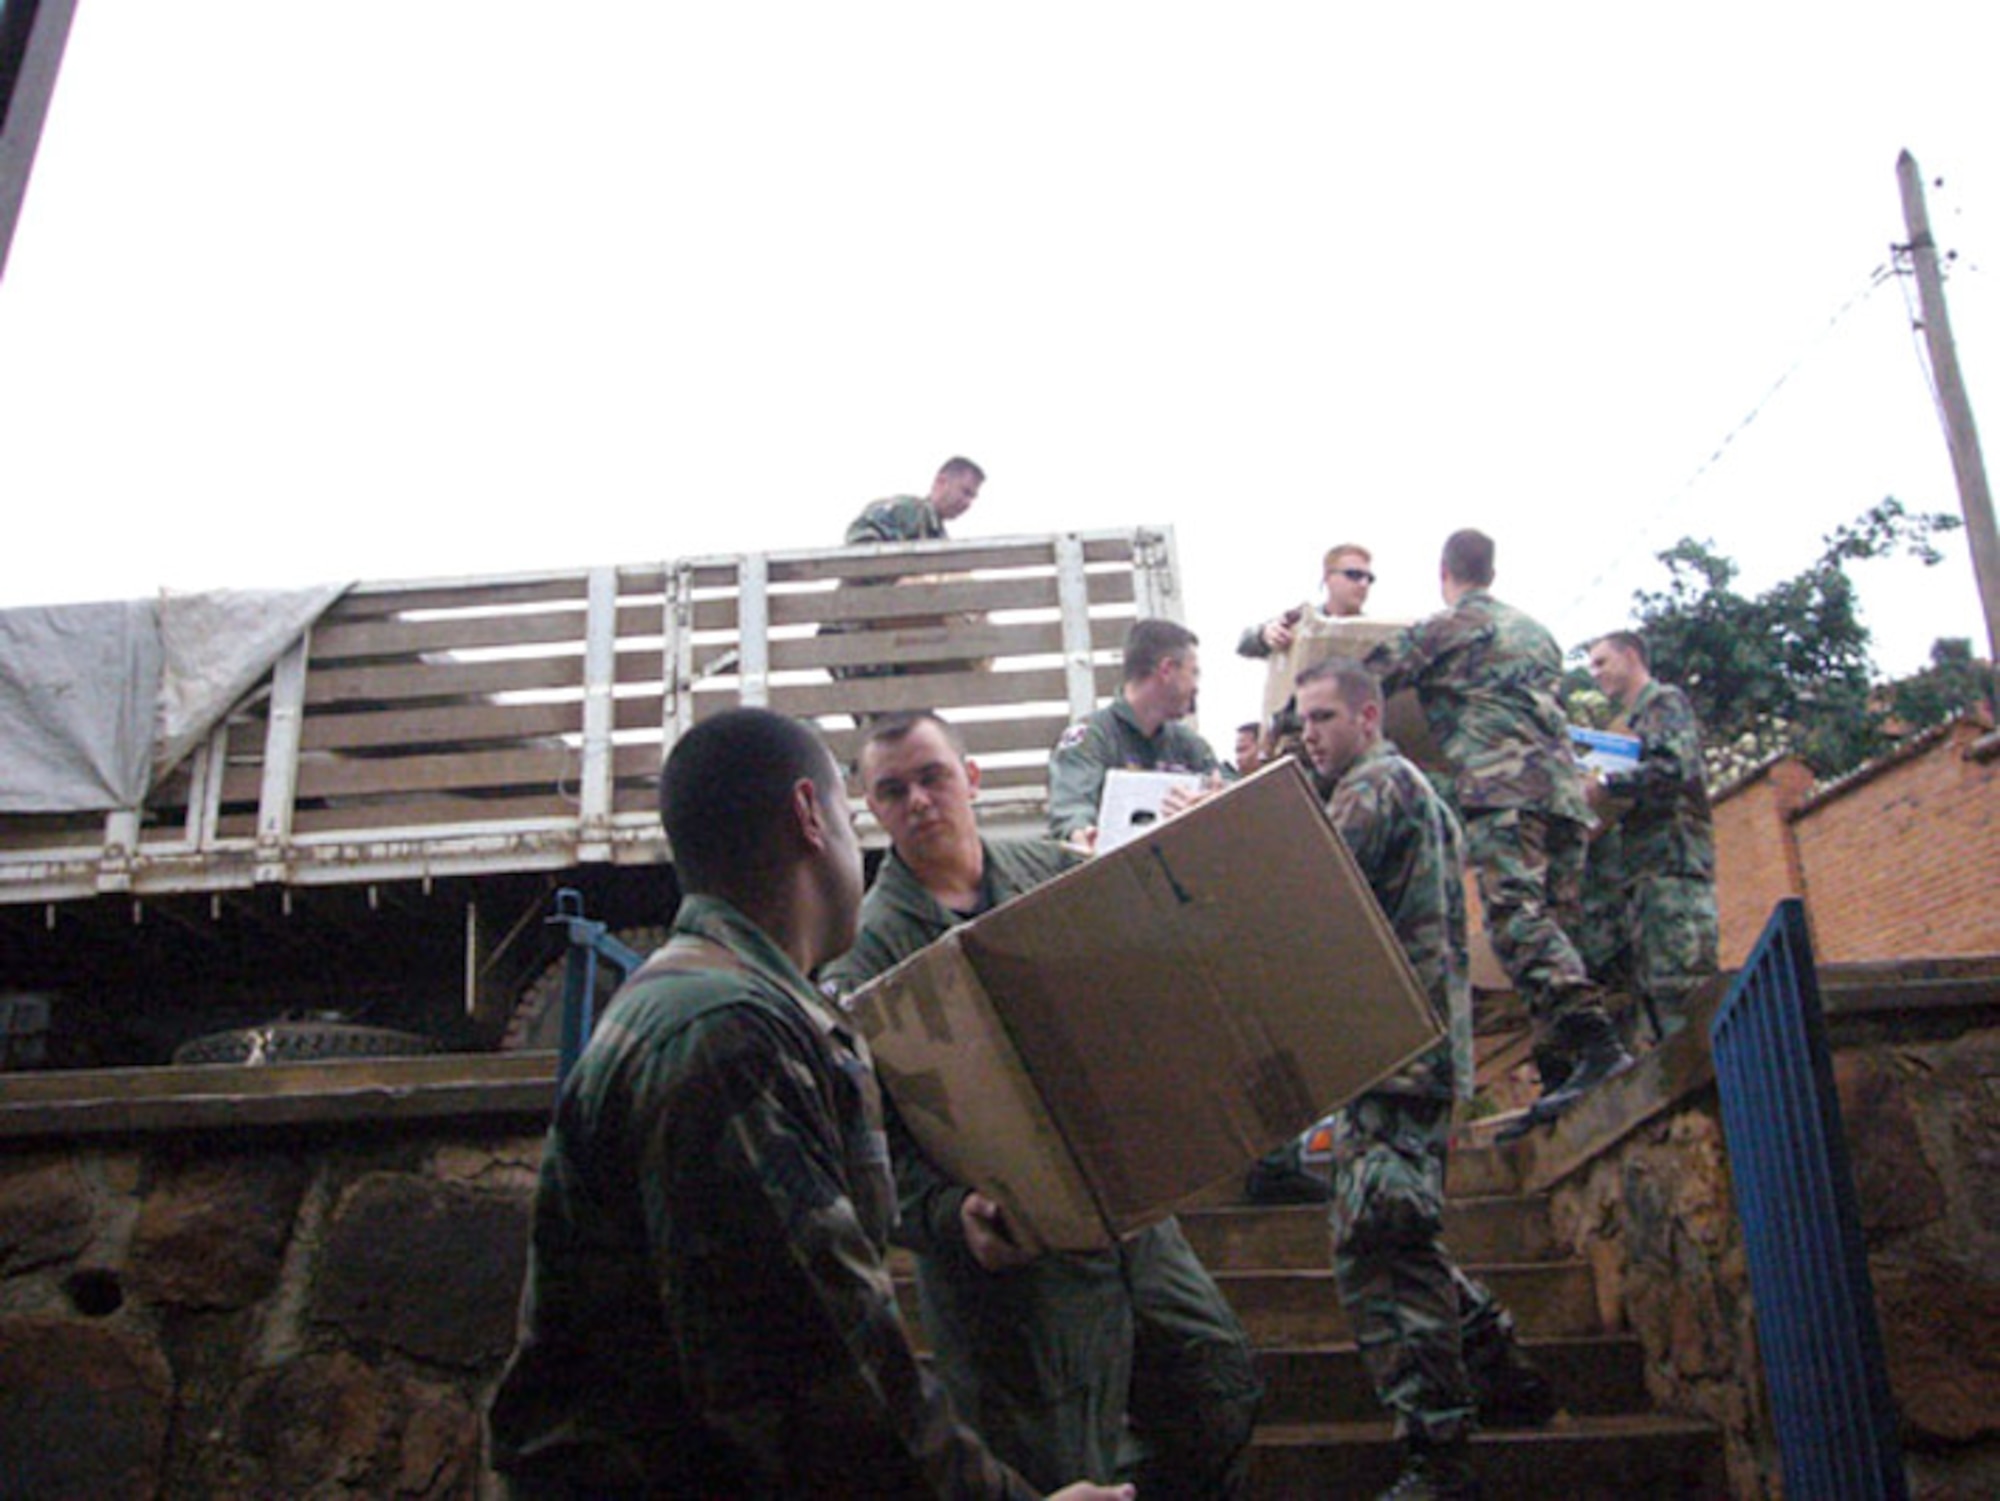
point(588, 942)
point(1815, 1305)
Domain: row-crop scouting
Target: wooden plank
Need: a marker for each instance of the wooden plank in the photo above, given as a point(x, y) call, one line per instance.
point(442, 724)
point(51, 831)
point(409, 638)
point(398, 596)
point(386, 684)
point(507, 1086)
point(913, 691)
point(914, 598)
point(631, 762)
point(893, 560)
point(551, 763)
point(643, 579)
point(918, 641)
point(462, 808)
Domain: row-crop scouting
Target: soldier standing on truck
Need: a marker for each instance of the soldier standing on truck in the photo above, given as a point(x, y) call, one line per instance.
point(1438, 1346)
point(1138, 730)
point(707, 1311)
point(908, 518)
point(1045, 1353)
point(1649, 919)
point(919, 518)
point(1488, 677)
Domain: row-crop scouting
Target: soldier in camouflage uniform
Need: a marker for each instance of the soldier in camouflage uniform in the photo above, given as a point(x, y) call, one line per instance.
point(1136, 731)
point(919, 518)
point(1046, 1354)
point(907, 518)
point(1439, 1347)
point(707, 1311)
point(1649, 884)
point(1487, 677)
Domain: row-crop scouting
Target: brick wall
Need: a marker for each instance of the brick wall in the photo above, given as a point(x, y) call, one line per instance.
point(1756, 857)
point(1898, 860)
point(1904, 861)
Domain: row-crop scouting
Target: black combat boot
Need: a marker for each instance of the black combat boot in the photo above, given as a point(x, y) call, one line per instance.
point(1588, 1039)
point(1435, 1472)
point(1552, 1066)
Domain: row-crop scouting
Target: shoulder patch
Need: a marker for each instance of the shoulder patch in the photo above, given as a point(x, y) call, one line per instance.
point(1073, 736)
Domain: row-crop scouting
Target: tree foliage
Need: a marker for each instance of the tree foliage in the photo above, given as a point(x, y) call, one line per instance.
point(1954, 680)
point(1787, 669)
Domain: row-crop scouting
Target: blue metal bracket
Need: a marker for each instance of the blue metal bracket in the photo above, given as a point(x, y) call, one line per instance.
point(588, 941)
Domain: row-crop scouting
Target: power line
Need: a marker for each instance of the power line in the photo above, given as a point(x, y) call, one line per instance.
point(1882, 273)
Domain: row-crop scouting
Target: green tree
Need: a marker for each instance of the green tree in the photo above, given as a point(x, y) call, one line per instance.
point(1954, 682)
point(1788, 669)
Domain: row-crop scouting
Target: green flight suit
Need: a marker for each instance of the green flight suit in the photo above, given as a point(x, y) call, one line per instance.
point(1048, 1360)
point(707, 1311)
point(1112, 738)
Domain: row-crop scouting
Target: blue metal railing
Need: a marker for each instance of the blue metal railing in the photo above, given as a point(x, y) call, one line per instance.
point(1815, 1305)
point(588, 942)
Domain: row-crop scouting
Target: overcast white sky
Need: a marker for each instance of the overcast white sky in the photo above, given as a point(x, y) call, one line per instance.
point(307, 292)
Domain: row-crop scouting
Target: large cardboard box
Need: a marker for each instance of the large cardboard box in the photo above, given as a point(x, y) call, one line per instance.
point(1096, 1052)
point(1317, 637)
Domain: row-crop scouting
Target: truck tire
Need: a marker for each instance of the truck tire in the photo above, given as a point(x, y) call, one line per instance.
point(536, 1021)
point(301, 1042)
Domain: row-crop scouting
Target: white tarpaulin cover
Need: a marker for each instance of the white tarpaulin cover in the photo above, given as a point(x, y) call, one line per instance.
point(99, 700)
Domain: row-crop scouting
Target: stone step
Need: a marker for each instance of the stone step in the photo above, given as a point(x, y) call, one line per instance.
point(1612, 1458)
point(1478, 1169)
point(1548, 1299)
point(1247, 1238)
point(1593, 1375)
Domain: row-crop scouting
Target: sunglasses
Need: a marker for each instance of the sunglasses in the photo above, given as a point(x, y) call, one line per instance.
point(1357, 575)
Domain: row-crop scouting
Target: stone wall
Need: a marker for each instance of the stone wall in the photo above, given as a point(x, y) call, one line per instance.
point(1655, 1214)
point(313, 1296)
point(293, 1313)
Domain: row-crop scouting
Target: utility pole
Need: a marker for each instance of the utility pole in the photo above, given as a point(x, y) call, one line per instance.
point(1960, 434)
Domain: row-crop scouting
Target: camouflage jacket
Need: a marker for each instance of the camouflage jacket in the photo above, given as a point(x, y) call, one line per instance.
point(1489, 680)
point(901, 518)
point(1410, 849)
point(1112, 738)
point(1668, 827)
point(899, 917)
point(707, 1311)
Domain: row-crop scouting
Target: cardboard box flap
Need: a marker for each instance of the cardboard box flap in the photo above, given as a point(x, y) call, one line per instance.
point(934, 1031)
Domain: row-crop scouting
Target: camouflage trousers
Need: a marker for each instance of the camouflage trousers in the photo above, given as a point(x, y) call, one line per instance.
point(1049, 1361)
point(1530, 871)
point(1653, 935)
point(1416, 1316)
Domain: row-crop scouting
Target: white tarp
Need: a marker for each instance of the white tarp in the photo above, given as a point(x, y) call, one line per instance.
point(97, 701)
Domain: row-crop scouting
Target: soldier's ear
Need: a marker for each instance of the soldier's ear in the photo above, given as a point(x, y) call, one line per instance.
point(972, 775)
point(807, 815)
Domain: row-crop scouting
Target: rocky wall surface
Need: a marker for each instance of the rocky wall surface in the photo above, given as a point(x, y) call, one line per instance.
point(1656, 1217)
point(274, 1315)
